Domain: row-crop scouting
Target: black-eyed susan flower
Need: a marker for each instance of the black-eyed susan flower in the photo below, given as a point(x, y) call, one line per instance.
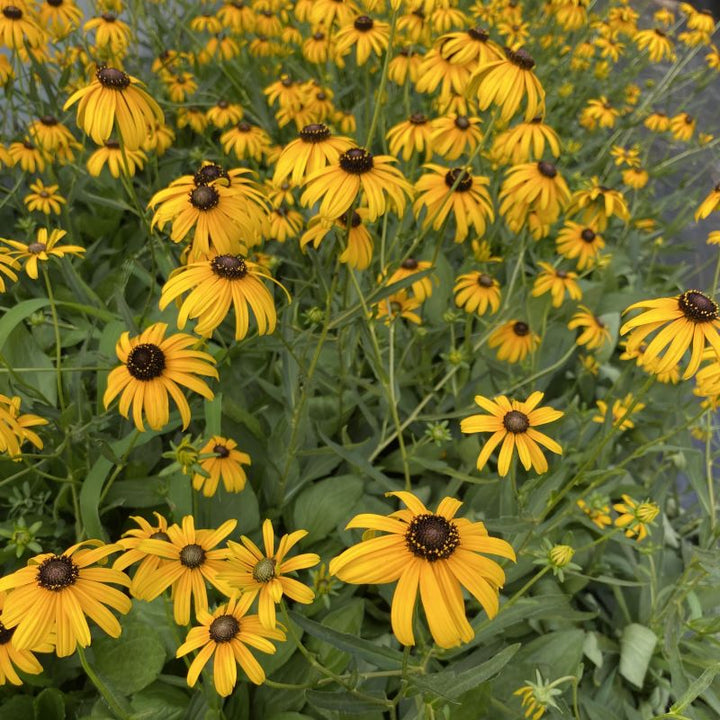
point(154, 367)
point(514, 341)
point(44, 198)
point(115, 99)
point(314, 149)
point(226, 637)
point(59, 17)
point(435, 71)
point(596, 203)
point(357, 170)
point(527, 141)
point(594, 331)
point(533, 186)
point(225, 462)
point(557, 283)
point(118, 161)
point(670, 375)
point(513, 424)
point(597, 509)
point(215, 284)
point(180, 85)
point(469, 202)
point(469, 46)
point(28, 156)
point(50, 134)
point(687, 321)
point(635, 517)
point(619, 412)
point(366, 35)
point(8, 267)
point(192, 117)
point(635, 177)
point(42, 249)
point(657, 43)
point(110, 32)
point(599, 112)
point(224, 113)
point(285, 223)
point(411, 136)
point(682, 126)
point(330, 11)
point(505, 82)
point(358, 252)
point(477, 291)
point(454, 135)
point(265, 574)
point(422, 287)
point(713, 237)
point(246, 141)
point(436, 553)
point(18, 27)
point(16, 427)
point(398, 305)
point(194, 559)
point(57, 592)
point(709, 205)
point(404, 66)
point(657, 122)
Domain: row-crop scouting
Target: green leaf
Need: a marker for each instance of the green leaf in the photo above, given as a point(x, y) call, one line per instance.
point(698, 686)
point(636, 649)
point(342, 702)
point(345, 619)
point(50, 705)
point(12, 318)
point(159, 702)
point(290, 716)
point(213, 416)
point(320, 508)
point(19, 707)
point(132, 661)
point(381, 657)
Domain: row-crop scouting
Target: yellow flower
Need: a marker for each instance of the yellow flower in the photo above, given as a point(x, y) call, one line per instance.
point(709, 205)
point(398, 305)
point(514, 341)
point(411, 136)
point(421, 288)
point(44, 198)
point(455, 135)
point(636, 178)
point(154, 367)
point(44, 247)
point(18, 28)
point(366, 35)
point(224, 113)
point(635, 516)
point(594, 332)
point(599, 113)
point(110, 32)
point(118, 161)
point(597, 509)
point(15, 428)
point(358, 252)
point(657, 43)
point(682, 126)
point(657, 122)
point(561, 555)
point(246, 141)
point(436, 552)
point(527, 141)
point(598, 203)
point(557, 283)
point(576, 241)
point(56, 592)
point(513, 424)
point(226, 464)
point(265, 575)
point(620, 412)
point(476, 291)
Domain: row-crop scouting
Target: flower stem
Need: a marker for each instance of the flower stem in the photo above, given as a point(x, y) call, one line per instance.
point(58, 346)
point(107, 695)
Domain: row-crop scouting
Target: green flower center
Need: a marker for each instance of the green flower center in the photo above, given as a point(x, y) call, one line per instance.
point(264, 571)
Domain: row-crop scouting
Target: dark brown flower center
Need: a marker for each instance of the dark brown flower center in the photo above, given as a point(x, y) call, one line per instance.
point(112, 144)
point(48, 120)
point(146, 361)
point(561, 274)
point(547, 169)
point(395, 307)
point(315, 133)
point(223, 104)
point(28, 145)
point(36, 248)
point(12, 13)
point(6, 634)
point(112, 78)
point(44, 194)
point(221, 451)
point(521, 58)
point(160, 535)
point(660, 33)
point(521, 329)
point(356, 161)
point(57, 572)
point(479, 34)
point(484, 280)
point(192, 556)
point(516, 422)
point(698, 307)
point(244, 127)
point(458, 174)
point(461, 122)
point(230, 267)
point(108, 17)
point(207, 173)
point(356, 219)
point(409, 264)
point(264, 571)
point(363, 23)
point(318, 36)
point(689, 119)
point(588, 235)
point(417, 119)
point(432, 537)
point(224, 628)
point(204, 197)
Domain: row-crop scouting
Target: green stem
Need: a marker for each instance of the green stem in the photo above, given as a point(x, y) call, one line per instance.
point(112, 703)
point(58, 346)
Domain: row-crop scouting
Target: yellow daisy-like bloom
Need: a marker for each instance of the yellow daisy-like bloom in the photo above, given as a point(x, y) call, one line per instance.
point(620, 412)
point(359, 250)
point(246, 141)
point(49, 134)
point(110, 32)
point(672, 375)
point(28, 156)
point(455, 135)
point(314, 149)
point(115, 98)
point(44, 247)
point(657, 122)
point(469, 203)
point(56, 592)
point(398, 305)
point(193, 560)
point(192, 117)
point(526, 141)
point(709, 205)
point(682, 322)
point(635, 516)
point(18, 28)
point(505, 82)
point(421, 288)
point(224, 113)
point(411, 136)
point(265, 575)
point(216, 284)
point(557, 283)
point(226, 464)
point(514, 341)
point(434, 70)
point(8, 266)
point(476, 291)
point(682, 126)
point(713, 237)
point(366, 35)
point(594, 332)
point(404, 66)
point(513, 423)
point(224, 636)
point(598, 203)
point(636, 178)
point(435, 552)
point(118, 161)
point(180, 85)
point(597, 509)
point(15, 428)
point(533, 186)
point(468, 47)
point(599, 113)
point(60, 17)
point(44, 198)
point(130, 543)
point(154, 367)
point(579, 242)
point(336, 187)
point(657, 43)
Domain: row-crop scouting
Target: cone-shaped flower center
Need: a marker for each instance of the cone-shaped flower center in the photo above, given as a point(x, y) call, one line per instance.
point(113, 78)
point(363, 23)
point(521, 329)
point(221, 451)
point(479, 34)
point(521, 58)
point(451, 177)
point(484, 280)
point(462, 123)
point(516, 422)
point(108, 17)
point(224, 628)
point(698, 307)
point(12, 13)
point(57, 572)
point(410, 264)
point(160, 535)
point(208, 173)
point(356, 219)
point(244, 127)
point(48, 120)
point(192, 556)
point(418, 119)
point(587, 235)
point(5, 634)
point(547, 169)
point(315, 133)
point(432, 537)
point(146, 361)
point(204, 197)
point(230, 267)
point(264, 571)
point(36, 248)
point(356, 161)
